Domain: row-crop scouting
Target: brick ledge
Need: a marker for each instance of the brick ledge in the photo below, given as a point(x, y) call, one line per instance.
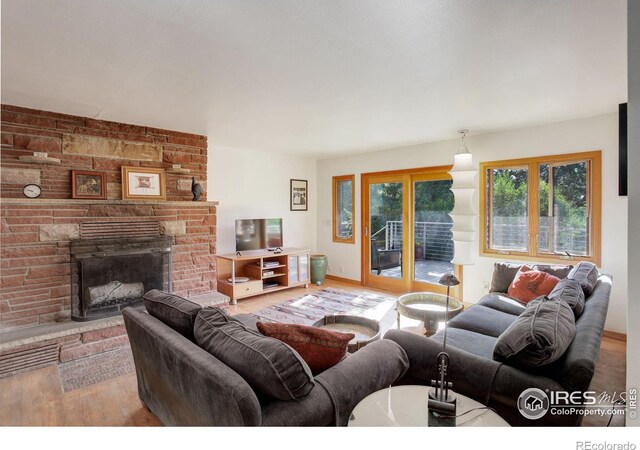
point(64, 201)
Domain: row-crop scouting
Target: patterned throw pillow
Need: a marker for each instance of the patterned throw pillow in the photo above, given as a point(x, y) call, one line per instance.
point(529, 284)
point(319, 348)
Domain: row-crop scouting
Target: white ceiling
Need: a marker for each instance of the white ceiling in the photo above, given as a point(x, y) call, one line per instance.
point(316, 77)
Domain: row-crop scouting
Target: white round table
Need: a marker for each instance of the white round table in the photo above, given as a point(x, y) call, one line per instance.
point(406, 406)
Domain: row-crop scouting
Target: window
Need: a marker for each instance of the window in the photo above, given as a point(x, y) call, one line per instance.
point(545, 208)
point(343, 203)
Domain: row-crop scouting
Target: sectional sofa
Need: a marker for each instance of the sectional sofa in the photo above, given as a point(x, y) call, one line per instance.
point(253, 381)
point(475, 335)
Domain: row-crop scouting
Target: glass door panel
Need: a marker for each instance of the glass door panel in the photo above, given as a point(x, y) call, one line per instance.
point(432, 236)
point(304, 267)
point(293, 269)
point(384, 255)
point(385, 219)
point(407, 241)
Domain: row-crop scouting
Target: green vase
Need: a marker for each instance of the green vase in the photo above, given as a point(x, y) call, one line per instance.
point(318, 268)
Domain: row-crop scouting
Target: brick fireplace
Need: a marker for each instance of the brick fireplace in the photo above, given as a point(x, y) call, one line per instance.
point(37, 234)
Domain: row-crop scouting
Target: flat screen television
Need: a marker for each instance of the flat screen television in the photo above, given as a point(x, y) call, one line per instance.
point(258, 234)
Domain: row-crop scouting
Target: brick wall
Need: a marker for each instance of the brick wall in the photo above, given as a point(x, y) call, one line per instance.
point(35, 234)
point(62, 136)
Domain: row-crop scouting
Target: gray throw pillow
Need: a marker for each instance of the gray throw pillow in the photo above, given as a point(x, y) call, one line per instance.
point(571, 292)
point(556, 270)
point(503, 275)
point(270, 366)
point(539, 336)
point(586, 274)
point(174, 311)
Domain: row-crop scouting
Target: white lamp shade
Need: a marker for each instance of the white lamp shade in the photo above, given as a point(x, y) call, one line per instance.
point(464, 222)
point(463, 252)
point(464, 235)
point(466, 179)
point(465, 204)
point(465, 212)
point(462, 162)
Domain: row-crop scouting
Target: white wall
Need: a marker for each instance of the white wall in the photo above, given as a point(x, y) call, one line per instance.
point(251, 184)
point(633, 116)
point(594, 133)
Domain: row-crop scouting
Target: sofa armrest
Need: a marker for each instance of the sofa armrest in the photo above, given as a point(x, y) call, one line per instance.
point(376, 366)
point(247, 320)
point(181, 383)
point(470, 374)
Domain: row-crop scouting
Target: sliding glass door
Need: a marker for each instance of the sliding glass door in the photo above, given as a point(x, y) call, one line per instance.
point(407, 239)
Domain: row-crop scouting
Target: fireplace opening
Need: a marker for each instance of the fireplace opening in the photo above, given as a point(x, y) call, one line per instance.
point(108, 275)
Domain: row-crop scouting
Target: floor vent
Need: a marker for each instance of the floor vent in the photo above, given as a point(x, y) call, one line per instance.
point(99, 230)
point(29, 359)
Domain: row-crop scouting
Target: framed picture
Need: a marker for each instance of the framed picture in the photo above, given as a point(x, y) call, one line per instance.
point(299, 195)
point(88, 184)
point(143, 183)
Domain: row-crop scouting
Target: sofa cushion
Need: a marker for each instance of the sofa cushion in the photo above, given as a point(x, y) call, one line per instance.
point(529, 284)
point(469, 341)
point(539, 336)
point(571, 292)
point(503, 275)
point(174, 311)
point(586, 274)
point(319, 348)
point(271, 367)
point(483, 320)
point(557, 270)
point(502, 303)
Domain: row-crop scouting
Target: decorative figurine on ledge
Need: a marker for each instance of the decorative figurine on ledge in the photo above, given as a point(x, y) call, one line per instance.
point(197, 189)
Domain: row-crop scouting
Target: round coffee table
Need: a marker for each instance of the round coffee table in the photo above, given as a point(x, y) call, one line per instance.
point(406, 406)
point(429, 308)
point(365, 330)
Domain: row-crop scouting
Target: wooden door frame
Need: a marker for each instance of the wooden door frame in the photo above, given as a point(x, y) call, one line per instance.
point(407, 177)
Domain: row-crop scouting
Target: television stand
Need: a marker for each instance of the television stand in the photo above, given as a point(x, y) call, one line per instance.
point(267, 271)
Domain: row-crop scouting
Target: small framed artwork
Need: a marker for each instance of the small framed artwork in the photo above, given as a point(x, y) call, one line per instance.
point(299, 195)
point(143, 183)
point(88, 184)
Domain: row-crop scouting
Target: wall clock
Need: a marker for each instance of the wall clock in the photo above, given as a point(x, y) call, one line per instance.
point(32, 191)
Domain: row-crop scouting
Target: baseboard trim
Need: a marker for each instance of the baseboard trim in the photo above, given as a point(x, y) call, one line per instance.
point(615, 335)
point(344, 280)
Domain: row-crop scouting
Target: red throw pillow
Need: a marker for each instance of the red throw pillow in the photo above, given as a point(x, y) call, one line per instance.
point(319, 348)
point(529, 284)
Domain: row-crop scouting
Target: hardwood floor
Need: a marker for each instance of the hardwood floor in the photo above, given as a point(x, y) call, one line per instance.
point(36, 398)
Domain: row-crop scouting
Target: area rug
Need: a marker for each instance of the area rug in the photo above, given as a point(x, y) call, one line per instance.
point(94, 369)
point(310, 308)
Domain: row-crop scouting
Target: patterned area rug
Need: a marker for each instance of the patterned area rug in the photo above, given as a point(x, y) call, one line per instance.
point(94, 369)
point(312, 307)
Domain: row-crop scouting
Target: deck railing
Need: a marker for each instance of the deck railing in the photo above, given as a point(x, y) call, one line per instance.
point(436, 240)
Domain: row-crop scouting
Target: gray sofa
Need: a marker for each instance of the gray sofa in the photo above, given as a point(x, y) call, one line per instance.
point(183, 384)
point(475, 373)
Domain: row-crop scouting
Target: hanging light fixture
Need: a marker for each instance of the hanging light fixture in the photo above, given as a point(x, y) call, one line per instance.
point(464, 214)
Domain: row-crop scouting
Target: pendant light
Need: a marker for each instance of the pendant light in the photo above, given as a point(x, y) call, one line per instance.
point(464, 214)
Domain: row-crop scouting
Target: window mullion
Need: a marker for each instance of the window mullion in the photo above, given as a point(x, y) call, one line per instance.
point(533, 207)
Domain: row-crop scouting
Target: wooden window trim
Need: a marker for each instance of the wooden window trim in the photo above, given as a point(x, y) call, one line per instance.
point(336, 180)
point(594, 199)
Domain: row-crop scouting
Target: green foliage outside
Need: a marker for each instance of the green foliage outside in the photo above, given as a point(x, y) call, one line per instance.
point(569, 200)
point(430, 196)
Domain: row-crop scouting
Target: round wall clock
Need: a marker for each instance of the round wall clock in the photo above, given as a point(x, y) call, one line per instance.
point(32, 191)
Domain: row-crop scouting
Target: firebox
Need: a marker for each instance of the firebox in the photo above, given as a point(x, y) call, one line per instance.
point(109, 274)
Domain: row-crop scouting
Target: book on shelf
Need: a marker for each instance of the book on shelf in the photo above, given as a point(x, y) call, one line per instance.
point(270, 284)
point(268, 273)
